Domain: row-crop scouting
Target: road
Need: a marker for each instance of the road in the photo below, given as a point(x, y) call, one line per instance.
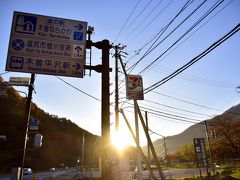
point(40, 175)
point(170, 173)
point(175, 173)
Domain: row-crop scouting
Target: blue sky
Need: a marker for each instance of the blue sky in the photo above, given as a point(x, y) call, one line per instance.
point(211, 82)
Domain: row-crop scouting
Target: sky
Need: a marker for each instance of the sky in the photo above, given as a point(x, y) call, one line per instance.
point(202, 91)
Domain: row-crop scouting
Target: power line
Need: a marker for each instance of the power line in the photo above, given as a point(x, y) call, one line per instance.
point(126, 21)
point(192, 103)
point(169, 119)
point(78, 89)
point(194, 60)
point(159, 34)
point(139, 14)
point(166, 27)
point(167, 115)
point(184, 34)
point(177, 108)
point(196, 79)
point(155, 133)
point(188, 102)
point(145, 27)
point(174, 119)
point(196, 30)
point(169, 111)
point(4, 73)
point(190, 34)
point(141, 23)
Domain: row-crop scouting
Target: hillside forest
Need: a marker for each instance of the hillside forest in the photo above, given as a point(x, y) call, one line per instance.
point(62, 139)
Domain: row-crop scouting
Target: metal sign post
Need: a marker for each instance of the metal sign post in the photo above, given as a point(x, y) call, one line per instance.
point(26, 122)
point(134, 91)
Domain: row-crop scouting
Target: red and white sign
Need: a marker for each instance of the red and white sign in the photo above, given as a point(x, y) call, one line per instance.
point(134, 87)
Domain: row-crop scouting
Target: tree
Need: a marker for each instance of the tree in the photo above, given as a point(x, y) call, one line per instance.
point(226, 142)
point(186, 153)
point(62, 139)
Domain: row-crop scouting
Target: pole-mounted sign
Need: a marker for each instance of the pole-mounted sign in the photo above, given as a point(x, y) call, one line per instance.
point(200, 151)
point(134, 87)
point(33, 124)
point(47, 45)
point(19, 81)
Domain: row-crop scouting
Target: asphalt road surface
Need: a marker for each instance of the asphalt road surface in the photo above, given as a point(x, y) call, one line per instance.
point(170, 173)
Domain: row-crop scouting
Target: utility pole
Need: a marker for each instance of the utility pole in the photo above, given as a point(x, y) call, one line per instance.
point(26, 121)
point(209, 146)
point(117, 56)
point(148, 148)
point(164, 141)
point(106, 162)
point(116, 90)
point(165, 147)
point(83, 146)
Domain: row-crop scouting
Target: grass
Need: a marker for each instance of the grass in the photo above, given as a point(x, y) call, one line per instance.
point(231, 170)
point(226, 171)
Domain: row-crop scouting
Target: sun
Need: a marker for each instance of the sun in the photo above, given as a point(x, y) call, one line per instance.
point(121, 139)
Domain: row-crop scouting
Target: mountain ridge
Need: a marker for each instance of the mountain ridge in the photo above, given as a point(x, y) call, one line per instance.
point(173, 143)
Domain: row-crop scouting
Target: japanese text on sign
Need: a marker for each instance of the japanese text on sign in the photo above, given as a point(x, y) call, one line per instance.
point(47, 45)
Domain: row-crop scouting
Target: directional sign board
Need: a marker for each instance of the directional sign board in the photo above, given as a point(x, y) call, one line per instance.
point(33, 124)
point(200, 151)
point(134, 87)
point(19, 81)
point(47, 45)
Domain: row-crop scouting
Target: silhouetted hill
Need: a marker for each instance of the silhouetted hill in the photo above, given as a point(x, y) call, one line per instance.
point(62, 139)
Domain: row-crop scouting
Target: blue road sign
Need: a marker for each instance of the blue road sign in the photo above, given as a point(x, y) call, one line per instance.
point(47, 45)
point(33, 122)
point(25, 24)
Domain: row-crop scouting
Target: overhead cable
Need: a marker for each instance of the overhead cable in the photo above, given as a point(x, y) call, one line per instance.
point(77, 89)
point(145, 27)
point(194, 60)
point(184, 110)
point(4, 73)
point(126, 21)
point(184, 34)
point(144, 19)
point(188, 102)
point(159, 34)
point(197, 79)
point(196, 30)
point(168, 114)
point(139, 14)
point(191, 33)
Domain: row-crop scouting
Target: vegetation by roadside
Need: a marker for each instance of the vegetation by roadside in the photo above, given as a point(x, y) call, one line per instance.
point(231, 170)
